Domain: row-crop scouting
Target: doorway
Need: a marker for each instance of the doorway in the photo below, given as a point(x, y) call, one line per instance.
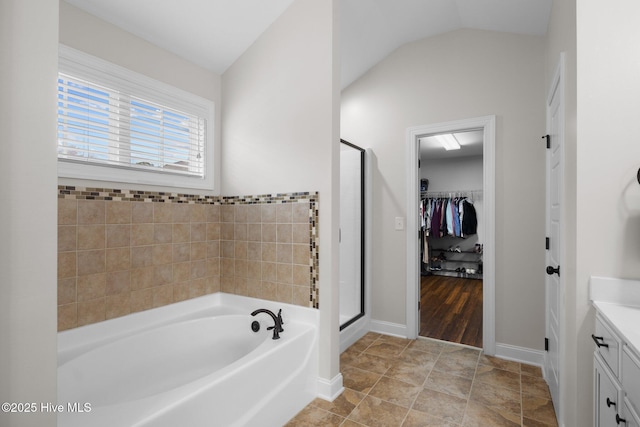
point(413, 135)
point(451, 225)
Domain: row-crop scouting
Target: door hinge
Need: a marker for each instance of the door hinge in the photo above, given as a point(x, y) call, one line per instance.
point(418, 305)
point(546, 243)
point(548, 137)
point(546, 344)
point(418, 163)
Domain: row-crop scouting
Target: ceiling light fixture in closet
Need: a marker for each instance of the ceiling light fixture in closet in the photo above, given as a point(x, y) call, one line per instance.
point(448, 141)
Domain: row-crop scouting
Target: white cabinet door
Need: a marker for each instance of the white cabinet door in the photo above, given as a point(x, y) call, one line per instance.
point(607, 396)
point(631, 376)
point(628, 417)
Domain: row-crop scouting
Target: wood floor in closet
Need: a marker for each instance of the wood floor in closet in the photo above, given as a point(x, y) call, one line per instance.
point(451, 309)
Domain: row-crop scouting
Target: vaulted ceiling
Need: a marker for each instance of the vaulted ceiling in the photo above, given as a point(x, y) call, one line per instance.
point(214, 33)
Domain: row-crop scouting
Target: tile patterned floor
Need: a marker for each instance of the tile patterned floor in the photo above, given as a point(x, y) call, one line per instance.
point(397, 382)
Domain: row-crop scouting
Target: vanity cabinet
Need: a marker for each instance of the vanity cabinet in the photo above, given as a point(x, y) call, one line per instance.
point(616, 377)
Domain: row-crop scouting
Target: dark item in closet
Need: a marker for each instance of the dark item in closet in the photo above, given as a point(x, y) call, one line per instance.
point(470, 219)
point(424, 185)
point(436, 221)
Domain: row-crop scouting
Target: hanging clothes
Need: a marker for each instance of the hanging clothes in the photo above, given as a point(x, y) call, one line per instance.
point(425, 249)
point(443, 218)
point(456, 218)
point(448, 216)
point(435, 219)
point(461, 213)
point(450, 229)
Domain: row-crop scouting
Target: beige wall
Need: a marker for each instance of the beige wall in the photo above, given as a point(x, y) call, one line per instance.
point(280, 132)
point(96, 37)
point(458, 75)
point(28, 341)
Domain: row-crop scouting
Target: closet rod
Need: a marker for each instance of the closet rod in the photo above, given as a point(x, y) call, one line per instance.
point(449, 193)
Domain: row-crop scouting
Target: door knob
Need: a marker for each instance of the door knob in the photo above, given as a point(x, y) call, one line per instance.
point(551, 270)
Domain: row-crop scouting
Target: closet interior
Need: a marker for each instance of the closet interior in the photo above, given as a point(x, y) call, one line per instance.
point(449, 220)
point(451, 231)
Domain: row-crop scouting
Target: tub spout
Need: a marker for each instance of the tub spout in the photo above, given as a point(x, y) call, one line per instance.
point(278, 322)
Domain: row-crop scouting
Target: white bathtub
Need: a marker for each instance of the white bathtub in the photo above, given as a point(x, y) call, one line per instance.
point(194, 363)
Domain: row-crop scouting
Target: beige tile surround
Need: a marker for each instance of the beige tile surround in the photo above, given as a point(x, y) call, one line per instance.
point(122, 251)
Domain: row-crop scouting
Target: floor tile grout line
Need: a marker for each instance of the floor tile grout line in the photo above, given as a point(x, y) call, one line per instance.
point(520, 392)
point(365, 394)
point(422, 387)
point(473, 380)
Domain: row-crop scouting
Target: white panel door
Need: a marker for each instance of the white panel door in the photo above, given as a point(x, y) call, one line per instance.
point(553, 283)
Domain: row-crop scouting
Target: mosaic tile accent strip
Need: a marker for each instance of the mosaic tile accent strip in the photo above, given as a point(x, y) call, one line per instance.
point(82, 193)
point(315, 254)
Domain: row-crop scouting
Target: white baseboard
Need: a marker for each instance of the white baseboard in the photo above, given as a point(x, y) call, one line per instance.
point(504, 351)
point(329, 390)
point(388, 328)
point(520, 354)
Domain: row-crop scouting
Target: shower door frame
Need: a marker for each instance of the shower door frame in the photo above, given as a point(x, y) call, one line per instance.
point(362, 236)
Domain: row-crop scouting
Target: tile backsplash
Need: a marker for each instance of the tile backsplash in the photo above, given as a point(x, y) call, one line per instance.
point(124, 251)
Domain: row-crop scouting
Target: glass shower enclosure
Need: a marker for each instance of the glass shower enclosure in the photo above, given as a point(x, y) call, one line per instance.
point(352, 180)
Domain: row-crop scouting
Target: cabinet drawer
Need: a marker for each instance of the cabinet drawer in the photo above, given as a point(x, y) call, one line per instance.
point(610, 350)
point(631, 377)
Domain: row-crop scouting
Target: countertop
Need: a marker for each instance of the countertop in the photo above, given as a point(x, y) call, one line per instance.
point(618, 301)
point(625, 319)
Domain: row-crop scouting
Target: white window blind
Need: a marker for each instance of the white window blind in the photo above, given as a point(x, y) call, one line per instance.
point(108, 119)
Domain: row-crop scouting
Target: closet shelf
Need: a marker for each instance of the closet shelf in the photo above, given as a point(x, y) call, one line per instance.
point(451, 193)
point(445, 262)
point(468, 261)
point(447, 251)
point(453, 273)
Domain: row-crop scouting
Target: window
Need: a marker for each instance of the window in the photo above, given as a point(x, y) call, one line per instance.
point(117, 125)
